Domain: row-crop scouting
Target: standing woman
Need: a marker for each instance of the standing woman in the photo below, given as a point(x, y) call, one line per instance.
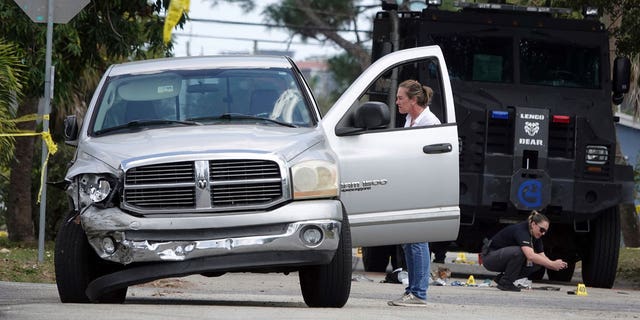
point(516, 251)
point(412, 99)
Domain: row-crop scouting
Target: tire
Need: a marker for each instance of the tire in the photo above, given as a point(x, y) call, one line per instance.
point(76, 265)
point(538, 275)
point(376, 259)
point(600, 264)
point(329, 286)
point(564, 275)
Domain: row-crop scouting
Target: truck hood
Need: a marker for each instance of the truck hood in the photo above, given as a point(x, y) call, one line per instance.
point(113, 149)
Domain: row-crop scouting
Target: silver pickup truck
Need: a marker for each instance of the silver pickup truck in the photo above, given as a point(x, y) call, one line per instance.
point(208, 165)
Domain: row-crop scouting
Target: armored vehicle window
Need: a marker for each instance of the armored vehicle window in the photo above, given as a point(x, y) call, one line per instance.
point(559, 64)
point(472, 58)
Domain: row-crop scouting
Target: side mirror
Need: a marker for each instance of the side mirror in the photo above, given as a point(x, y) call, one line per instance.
point(621, 79)
point(372, 115)
point(70, 129)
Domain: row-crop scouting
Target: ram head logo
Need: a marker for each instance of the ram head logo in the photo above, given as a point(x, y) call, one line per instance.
point(531, 128)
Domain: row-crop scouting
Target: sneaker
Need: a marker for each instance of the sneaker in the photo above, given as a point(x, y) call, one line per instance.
point(408, 300)
point(506, 285)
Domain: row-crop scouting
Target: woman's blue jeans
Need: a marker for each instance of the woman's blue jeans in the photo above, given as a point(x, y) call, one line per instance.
point(418, 259)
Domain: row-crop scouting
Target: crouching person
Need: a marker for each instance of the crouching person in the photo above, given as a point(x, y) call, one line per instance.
point(516, 251)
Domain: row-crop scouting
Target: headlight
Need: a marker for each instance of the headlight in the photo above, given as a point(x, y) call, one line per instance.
point(94, 188)
point(597, 155)
point(99, 192)
point(314, 179)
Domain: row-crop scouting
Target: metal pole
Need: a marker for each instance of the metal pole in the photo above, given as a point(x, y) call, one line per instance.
point(391, 99)
point(48, 93)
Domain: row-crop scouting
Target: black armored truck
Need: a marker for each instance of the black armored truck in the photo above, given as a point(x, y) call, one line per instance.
point(533, 92)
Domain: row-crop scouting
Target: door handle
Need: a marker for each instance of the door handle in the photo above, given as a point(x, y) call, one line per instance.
point(437, 148)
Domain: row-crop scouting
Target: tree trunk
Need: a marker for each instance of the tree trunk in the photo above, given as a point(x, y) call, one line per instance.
point(630, 226)
point(19, 212)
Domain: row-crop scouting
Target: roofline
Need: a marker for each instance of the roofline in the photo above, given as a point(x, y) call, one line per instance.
point(200, 62)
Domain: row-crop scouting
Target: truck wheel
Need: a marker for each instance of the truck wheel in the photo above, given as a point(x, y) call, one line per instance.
point(601, 262)
point(538, 275)
point(564, 275)
point(376, 259)
point(76, 265)
point(328, 286)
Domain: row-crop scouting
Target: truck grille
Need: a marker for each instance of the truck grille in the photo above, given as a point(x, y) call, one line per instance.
point(562, 140)
point(194, 186)
point(244, 182)
point(472, 141)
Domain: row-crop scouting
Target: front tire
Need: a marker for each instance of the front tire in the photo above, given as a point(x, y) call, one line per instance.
point(600, 265)
point(328, 286)
point(76, 265)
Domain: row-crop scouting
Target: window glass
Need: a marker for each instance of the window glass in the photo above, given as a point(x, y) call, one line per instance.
point(559, 64)
point(473, 58)
point(205, 96)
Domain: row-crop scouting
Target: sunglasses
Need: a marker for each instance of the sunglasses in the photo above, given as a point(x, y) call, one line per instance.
point(542, 230)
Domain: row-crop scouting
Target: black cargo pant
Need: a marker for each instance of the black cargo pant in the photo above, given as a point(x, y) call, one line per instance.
point(511, 261)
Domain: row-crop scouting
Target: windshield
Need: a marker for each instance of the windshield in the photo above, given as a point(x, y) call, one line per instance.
point(559, 64)
point(179, 97)
point(469, 58)
point(490, 59)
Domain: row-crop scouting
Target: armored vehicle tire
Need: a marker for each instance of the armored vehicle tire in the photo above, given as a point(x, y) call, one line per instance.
point(564, 275)
point(376, 259)
point(538, 275)
point(328, 286)
point(600, 264)
point(76, 265)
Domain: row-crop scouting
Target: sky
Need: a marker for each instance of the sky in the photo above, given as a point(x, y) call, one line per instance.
point(217, 38)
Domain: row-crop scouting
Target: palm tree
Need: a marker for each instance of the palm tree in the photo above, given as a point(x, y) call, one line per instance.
point(10, 92)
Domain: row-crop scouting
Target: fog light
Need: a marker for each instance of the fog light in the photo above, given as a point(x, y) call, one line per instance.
point(108, 245)
point(596, 154)
point(312, 236)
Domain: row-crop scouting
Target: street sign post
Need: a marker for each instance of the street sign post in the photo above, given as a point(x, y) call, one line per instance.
point(49, 11)
point(64, 10)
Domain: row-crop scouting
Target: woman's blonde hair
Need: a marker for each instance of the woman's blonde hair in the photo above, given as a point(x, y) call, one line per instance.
point(537, 217)
point(422, 93)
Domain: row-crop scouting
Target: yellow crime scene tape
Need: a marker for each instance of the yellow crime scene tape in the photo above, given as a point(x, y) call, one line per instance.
point(52, 148)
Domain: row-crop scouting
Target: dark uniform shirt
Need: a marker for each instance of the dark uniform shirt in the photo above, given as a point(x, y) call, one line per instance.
point(516, 235)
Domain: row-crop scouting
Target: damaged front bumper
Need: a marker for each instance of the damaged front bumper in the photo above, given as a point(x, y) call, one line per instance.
point(305, 226)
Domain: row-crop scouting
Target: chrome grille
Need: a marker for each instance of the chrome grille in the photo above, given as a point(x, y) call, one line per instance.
point(203, 185)
point(161, 173)
point(162, 197)
point(229, 170)
point(244, 182)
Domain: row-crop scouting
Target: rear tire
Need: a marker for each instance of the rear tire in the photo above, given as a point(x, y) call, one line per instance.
point(76, 265)
point(600, 264)
point(329, 286)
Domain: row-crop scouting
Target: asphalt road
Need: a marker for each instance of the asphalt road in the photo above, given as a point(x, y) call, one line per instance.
point(277, 296)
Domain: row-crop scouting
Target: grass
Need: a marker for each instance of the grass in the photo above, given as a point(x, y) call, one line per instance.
point(19, 263)
point(629, 266)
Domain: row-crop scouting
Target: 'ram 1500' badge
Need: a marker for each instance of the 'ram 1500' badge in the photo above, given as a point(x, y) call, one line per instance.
point(362, 185)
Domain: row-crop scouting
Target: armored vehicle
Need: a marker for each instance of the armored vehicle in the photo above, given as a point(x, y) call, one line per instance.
point(533, 92)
